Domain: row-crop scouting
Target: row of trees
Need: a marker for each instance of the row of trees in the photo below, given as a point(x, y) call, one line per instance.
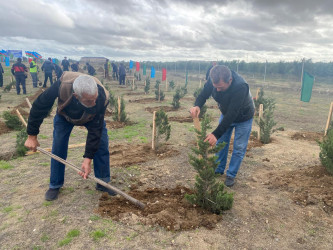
point(319, 69)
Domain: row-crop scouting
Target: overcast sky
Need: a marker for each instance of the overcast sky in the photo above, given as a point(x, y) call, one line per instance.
point(165, 30)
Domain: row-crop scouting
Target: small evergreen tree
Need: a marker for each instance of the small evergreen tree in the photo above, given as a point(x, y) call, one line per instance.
point(8, 87)
point(266, 102)
point(112, 99)
point(176, 98)
point(172, 84)
point(326, 151)
point(159, 94)
point(147, 87)
point(266, 123)
point(21, 137)
point(163, 128)
point(208, 193)
point(203, 111)
point(197, 92)
point(123, 116)
point(12, 121)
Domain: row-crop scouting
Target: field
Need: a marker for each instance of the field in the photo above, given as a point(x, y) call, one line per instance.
point(283, 196)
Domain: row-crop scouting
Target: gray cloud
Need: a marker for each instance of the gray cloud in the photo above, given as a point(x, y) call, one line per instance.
point(170, 30)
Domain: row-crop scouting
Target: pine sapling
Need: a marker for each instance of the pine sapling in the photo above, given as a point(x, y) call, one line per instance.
point(163, 128)
point(159, 94)
point(21, 137)
point(176, 98)
point(326, 151)
point(147, 86)
point(123, 115)
point(266, 123)
point(208, 193)
point(172, 84)
point(12, 121)
point(8, 87)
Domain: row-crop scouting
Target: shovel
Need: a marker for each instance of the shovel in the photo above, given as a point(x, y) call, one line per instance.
point(103, 183)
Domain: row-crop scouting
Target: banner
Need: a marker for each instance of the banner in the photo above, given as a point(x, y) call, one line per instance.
point(15, 53)
point(144, 69)
point(7, 61)
point(307, 84)
point(164, 72)
point(152, 73)
point(131, 64)
point(137, 66)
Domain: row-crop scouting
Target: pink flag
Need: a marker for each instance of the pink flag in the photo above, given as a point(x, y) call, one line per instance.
point(164, 74)
point(137, 66)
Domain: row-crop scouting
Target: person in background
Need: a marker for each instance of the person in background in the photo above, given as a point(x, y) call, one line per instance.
point(58, 71)
point(122, 74)
point(65, 64)
point(48, 68)
point(106, 69)
point(91, 69)
point(18, 70)
point(232, 93)
point(1, 75)
point(75, 67)
point(115, 71)
point(82, 101)
point(33, 72)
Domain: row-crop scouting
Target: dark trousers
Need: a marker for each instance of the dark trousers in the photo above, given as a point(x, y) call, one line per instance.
point(48, 75)
point(1, 80)
point(20, 79)
point(34, 79)
point(61, 132)
point(122, 79)
point(115, 75)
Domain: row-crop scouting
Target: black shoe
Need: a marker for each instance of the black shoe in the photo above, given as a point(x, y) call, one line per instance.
point(229, 181)
point(99, 187)
point(52, 194)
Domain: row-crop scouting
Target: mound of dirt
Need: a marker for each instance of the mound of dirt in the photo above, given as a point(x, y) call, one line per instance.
point(3, 128)
point(24, 113)
point(144, 100)
point(100, 69)
point(307, 136)
point(32, 98)
point(310, 186)
point(129, 154)
point(116, 124)
point(164, 108)
point(164, 207)
point(135, 93)
point(180, 119)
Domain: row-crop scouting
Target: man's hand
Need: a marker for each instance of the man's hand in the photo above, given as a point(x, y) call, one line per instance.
point(32, 142)
point(86, 168)
point(195, 111)
point(211, 139)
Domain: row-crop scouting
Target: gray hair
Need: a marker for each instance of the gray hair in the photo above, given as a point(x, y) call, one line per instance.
point(220, 72)
point(85, 85)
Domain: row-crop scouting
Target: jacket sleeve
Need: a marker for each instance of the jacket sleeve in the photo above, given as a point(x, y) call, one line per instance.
point(204, 95)
point(95, 128)
point(234, 107)
point(41, 107)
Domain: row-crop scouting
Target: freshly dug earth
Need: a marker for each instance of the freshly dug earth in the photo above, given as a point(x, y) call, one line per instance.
point(310, 186)
point(164, 108)
point(308, 136)
point(144, 100)
point(115, 124)
point(129, 154)
point(164, 207)
point(3, 128)
point(180, 119)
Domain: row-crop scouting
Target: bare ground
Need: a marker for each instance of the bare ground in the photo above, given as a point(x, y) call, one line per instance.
point(283, 196)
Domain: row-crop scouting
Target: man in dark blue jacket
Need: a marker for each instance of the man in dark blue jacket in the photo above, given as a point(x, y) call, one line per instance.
point(48, 67)
point(122, 74)
point(65, 64)
point(234, 99)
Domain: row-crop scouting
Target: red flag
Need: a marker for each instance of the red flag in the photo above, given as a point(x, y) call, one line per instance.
point(30, 59)
point(163, 74)
point(137, 66)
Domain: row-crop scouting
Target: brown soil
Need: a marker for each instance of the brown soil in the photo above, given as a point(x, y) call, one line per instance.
point(213, 107)
point(144, 100)
point(3, 128)
point(180, 119)
point(164, 108)
point(116, 124)
point(32, 98)
point(308, 136)
point(107, 112)
point(135, 93)
point(164, 207)
point(129, 154)
point(24, 113)
point(310, 186)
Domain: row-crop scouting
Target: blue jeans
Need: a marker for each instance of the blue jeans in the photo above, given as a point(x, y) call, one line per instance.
point(242, 135)
point(61, 132)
